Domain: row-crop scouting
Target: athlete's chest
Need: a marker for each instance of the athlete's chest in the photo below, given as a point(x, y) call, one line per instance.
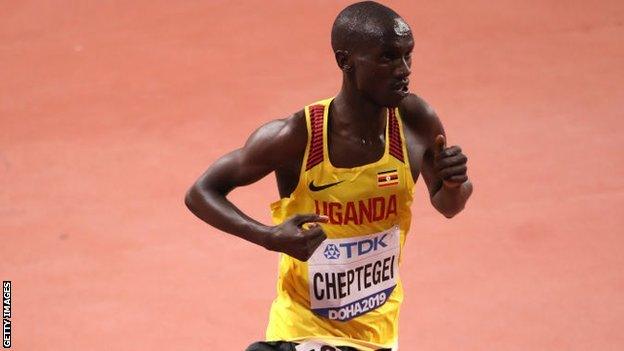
point(354, 152)
point(363, 196)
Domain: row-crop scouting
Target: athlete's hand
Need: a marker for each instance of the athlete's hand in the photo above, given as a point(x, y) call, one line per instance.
point(449, 163)
point(294, 238)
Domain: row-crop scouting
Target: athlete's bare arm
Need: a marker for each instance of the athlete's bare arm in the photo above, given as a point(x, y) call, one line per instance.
point(278, 146)
point(443, 168)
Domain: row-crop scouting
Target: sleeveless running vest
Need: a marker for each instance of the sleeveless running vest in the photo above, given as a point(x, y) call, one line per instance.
point(349, 291)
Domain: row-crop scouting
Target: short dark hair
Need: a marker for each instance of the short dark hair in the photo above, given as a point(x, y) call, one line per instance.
point(360, 22)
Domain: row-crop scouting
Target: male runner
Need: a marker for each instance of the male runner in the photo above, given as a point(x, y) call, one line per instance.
point(345, 169)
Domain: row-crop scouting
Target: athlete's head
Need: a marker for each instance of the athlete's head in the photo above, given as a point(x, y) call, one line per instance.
point(373, 45)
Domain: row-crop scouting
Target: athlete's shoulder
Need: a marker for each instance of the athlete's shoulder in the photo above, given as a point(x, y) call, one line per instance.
point(419, 117)
point(280, 139)
point(288, 129)
point(417, 112)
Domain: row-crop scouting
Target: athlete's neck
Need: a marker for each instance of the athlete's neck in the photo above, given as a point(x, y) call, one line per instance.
point(357, 116)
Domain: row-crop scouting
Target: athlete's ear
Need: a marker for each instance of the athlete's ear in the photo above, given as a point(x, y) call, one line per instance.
point(342, 59)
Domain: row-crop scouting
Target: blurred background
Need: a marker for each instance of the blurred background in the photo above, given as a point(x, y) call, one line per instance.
point(109, 111)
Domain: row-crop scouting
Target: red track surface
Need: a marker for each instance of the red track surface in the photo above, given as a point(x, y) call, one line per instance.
point(110, 110)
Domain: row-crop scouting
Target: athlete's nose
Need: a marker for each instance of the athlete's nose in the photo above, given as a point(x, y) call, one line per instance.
point(404, 69)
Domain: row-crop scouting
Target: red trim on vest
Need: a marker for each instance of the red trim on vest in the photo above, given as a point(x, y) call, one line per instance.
point(315, 155)
point(396, 146)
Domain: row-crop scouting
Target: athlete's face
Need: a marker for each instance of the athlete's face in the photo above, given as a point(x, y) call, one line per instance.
point(382, 69)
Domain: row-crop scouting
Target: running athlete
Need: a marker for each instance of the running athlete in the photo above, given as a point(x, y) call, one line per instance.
point(345, 169)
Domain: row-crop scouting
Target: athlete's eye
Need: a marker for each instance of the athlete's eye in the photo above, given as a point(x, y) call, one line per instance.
point(387, 56)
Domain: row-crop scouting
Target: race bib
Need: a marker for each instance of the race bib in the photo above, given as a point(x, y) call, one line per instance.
point(349, 277)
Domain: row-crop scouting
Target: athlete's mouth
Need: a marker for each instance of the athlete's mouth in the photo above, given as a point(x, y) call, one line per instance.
point(402, 86)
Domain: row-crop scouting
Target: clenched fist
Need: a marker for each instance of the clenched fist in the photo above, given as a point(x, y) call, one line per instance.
point(449, 163)
point(296, 239)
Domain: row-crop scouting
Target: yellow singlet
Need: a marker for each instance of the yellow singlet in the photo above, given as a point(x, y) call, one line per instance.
point(349, 292)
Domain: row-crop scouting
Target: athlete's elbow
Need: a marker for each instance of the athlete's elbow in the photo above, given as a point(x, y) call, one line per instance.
point(448, 210)
point(189, 198)
point(198, 196)
point(451, 202)
point(447, 215)
point(452, 213)
point(193, 198)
